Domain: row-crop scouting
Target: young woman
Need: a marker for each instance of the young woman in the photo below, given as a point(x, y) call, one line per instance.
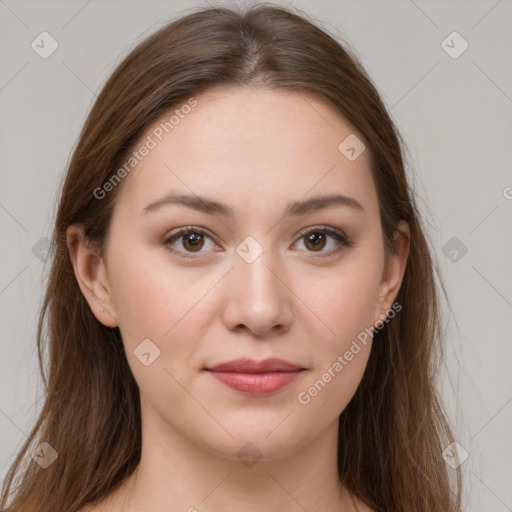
point(241, 312)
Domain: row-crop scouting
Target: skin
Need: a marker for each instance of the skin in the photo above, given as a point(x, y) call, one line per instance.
point(254, 150)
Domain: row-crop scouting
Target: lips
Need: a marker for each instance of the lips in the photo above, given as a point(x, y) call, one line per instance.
point(256, 377)
point(253, 366)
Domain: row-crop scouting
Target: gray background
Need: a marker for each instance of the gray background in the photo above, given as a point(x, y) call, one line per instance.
point(455, 116)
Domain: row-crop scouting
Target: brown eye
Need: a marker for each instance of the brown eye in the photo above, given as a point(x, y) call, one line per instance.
point(189, 241)
point(193, 241)
point(315, 241)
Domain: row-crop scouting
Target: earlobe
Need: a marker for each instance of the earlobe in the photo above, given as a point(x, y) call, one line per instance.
point(394, 270)
point(91, 275)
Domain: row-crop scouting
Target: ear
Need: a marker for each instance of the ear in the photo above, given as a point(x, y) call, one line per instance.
point(90, 272)
point(394, 270)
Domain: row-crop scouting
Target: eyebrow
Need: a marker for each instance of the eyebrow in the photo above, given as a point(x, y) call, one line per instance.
point(209, 206)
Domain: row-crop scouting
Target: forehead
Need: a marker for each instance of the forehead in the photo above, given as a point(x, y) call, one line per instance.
point(240, 143)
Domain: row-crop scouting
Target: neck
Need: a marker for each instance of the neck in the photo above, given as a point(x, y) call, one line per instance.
point(175, 474)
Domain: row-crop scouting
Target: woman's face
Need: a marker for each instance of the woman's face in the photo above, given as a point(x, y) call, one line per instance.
point(267, 269)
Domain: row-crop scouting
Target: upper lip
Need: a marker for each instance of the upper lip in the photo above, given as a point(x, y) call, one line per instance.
point(245, 365)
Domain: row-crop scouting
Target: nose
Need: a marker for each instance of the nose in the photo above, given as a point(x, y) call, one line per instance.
point(257, 297)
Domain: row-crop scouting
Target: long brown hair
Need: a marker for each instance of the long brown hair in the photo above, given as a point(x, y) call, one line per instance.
point(392, 433)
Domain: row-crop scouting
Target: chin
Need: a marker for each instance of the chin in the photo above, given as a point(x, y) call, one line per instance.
point(255, 443)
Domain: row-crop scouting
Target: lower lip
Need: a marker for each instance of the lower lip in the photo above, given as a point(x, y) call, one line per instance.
point(256, 383)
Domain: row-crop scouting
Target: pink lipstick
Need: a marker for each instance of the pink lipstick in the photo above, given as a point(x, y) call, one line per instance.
point(256, 377)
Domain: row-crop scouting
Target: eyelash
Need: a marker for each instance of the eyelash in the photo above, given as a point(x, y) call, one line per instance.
point(343, 241)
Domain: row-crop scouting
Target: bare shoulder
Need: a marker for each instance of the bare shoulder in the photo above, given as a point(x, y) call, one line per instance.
point(361, 506)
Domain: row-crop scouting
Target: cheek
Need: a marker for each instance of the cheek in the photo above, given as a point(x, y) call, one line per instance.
point(152, 295)
point(168, 306)
point(158, 303)
point(345, 299)
point(346, 307)
point(339, 361)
